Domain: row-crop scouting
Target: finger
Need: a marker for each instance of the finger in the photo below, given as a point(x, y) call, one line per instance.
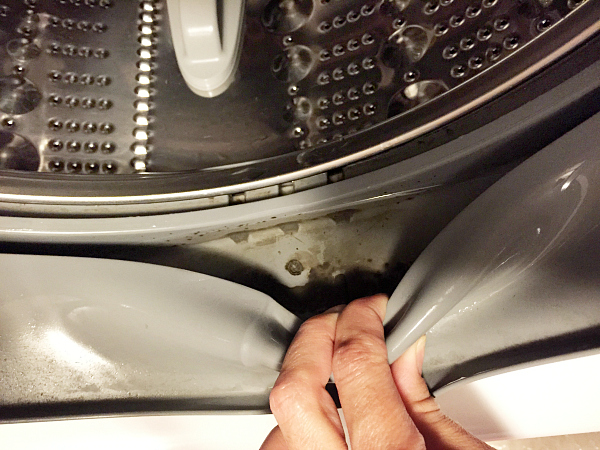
point(438, 430)
point(372, 406)
point(304, 410)
point(274, 441)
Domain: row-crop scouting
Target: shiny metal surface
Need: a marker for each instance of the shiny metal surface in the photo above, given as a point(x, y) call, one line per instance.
point(263, 130)
point(90, 336)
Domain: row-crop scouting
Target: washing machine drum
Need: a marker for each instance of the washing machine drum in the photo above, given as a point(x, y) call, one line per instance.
point(188, 105)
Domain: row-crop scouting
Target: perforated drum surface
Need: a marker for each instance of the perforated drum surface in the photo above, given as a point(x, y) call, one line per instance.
point(91, 87)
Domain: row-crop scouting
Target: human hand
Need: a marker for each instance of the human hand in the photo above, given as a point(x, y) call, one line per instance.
point(385, 407)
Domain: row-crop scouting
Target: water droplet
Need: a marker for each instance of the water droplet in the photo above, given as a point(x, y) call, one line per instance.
point(303, 108)
point(294, 64)
point(18, 95)
point(286, 16)
point(23, 49)
point(414, 40)
point(416, 94)
point(324, 55)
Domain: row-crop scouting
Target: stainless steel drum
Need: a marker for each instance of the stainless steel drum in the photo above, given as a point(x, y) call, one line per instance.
point(94, 111)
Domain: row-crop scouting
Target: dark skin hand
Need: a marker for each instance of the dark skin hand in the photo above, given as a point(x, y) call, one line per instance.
point(385, 406)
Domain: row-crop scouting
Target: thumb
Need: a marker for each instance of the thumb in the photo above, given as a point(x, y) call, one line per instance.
point(439, 431)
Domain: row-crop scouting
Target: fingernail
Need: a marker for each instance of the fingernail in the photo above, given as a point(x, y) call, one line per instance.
point(335, 309)
point(420, 353)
